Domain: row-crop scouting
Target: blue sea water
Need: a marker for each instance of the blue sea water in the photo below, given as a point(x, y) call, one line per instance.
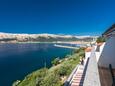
point(18, 60)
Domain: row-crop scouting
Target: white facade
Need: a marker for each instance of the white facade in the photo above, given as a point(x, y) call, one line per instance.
point(99, 53)
point(108, 54)
point(87, 55)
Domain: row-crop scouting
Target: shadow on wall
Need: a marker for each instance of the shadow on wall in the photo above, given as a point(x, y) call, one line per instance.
point(108, 54)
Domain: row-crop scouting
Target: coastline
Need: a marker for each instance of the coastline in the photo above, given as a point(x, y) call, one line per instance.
point(32, 56)
point(57, 72)
point(63, 42)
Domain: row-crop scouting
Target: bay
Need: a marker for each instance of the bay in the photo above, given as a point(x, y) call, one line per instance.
point(18, 60)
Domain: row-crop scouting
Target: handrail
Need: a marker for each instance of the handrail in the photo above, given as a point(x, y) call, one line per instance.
point(71, 76)
point(68, 82)
point(112, 74)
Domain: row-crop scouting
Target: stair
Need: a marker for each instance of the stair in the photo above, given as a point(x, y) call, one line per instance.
point(78, 77)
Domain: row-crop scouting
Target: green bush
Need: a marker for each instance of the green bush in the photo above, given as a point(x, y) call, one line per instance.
point(62, 71)
point(34, 78)
point(51, 80)
point(100, 39)
point(79, 50)
point(55, 61)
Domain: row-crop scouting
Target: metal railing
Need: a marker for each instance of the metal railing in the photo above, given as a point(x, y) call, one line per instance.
point(68, 81)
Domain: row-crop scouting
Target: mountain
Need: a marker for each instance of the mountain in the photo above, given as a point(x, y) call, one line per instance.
point(9, 37)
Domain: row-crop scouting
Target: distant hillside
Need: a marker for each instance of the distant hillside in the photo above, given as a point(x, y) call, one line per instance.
point(7, 37)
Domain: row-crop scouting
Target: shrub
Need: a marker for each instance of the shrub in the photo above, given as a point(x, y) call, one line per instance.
point(55, 61)
point(79, 50)
point(63, 70)
point(51, 80)
point(34, 79)
point(100, 39)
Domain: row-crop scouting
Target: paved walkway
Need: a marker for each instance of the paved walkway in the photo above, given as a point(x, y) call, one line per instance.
point(92, 74)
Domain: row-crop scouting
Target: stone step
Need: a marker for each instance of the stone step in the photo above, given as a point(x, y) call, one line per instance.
point(77, 84)
point(79, 77)
point(77, 81)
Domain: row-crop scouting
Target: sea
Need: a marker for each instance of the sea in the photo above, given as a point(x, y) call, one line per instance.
point(18, 60)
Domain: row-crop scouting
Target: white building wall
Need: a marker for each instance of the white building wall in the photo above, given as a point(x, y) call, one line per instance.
point(99, 53)
point(108, 54)
point(87, 55)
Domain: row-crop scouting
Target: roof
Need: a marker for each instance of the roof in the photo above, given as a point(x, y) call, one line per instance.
point(88, 49)
point(108, 31)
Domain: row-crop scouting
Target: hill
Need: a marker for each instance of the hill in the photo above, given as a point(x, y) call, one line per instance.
point(9, 37)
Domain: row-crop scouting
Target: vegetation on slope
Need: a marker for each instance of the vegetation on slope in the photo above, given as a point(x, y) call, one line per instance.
point(100, 39)
point(54, 76)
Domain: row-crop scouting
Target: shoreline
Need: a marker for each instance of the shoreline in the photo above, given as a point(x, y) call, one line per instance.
point(51, 70)
point(63, 42)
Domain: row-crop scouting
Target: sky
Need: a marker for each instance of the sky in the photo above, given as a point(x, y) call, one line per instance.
point(76, 17)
